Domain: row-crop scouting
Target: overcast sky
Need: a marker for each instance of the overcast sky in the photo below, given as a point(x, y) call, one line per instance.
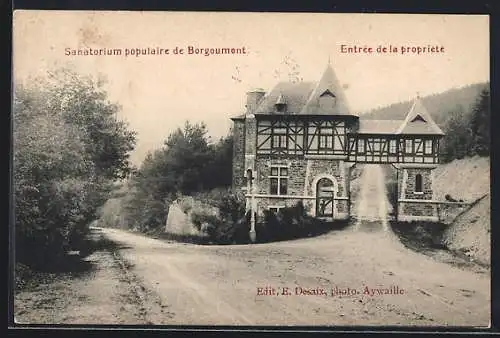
point(159, 92)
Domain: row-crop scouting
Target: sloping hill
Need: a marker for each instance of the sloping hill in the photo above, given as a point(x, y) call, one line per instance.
point(466, 179)
point(438, 105)
point(470, 232)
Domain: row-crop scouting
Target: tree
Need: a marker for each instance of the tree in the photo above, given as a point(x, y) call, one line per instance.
point(188, 163)
point(218, 171)
point(68, 148)
point(82, 101)
point(480, 124)
point(458, 141)
point(187, 153)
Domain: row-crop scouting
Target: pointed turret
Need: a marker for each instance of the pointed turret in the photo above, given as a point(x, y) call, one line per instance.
point(418, 121)
point(328, 97)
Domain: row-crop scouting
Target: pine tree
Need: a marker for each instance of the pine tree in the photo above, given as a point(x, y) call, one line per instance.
point(480, 124)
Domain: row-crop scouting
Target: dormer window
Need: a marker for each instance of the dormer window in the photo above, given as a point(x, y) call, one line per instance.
point(418, 118)
point(327, 100)
point(280, 104)
point(327, 93)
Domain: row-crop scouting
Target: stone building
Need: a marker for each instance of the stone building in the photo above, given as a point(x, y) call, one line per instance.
point(299, 142)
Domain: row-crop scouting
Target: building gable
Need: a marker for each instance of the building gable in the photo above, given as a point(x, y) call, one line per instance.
point(327, 88)
point(419, 122)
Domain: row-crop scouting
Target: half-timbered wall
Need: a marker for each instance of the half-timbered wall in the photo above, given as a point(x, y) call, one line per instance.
point(418, 150)
point(393, 149)
point(301, 137)
point(329, 137)
point(280, 137)
point(326, 138)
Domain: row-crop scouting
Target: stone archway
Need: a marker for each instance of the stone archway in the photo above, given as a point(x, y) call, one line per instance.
point(325, 189)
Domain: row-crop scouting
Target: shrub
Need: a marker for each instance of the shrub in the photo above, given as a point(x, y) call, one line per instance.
point(223, 213)
point(292, 222)
point(231, 223)
point(200, 216)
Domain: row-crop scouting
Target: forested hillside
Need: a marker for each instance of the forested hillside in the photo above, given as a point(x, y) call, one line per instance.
point(438, 105)
point(464, 115)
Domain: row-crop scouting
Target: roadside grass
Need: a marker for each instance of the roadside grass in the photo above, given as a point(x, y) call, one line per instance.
point(71, 265)
point(428, 238)
point(420, 235)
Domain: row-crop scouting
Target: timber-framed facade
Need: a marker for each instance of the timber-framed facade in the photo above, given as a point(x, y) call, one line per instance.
point(300, 141)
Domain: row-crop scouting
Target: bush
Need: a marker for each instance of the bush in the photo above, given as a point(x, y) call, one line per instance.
point(200, 216)
point(420, 235)
point(231, 225)
point(291, 223)
point(228, 224)
point(67, 147)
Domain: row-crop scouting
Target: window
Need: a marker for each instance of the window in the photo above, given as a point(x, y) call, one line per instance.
point(280, 107)
point(327, 101)
point(275, 210)
point(325, 138)
point(249, 179)
point(279, 138)
point(279, 180)
point(418, 146)
point(428, 147)
point(361, 146)
point(392, 147)
point(279, 141)
point(418, 183)
point(418, 118)
point(408, 146)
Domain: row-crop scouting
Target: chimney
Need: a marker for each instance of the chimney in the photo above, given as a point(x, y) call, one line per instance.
point(254, 97)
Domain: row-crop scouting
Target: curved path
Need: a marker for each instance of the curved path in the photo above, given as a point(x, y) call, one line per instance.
point(244, 285)
point(203, 285)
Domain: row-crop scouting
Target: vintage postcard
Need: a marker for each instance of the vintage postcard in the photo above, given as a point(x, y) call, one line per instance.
point(251, 169)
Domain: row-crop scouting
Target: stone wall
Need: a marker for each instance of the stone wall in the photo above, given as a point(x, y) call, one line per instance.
point(416, 211)
point(296, 174)
point(303, 175)
point(238, 179)
point(327, 167)
point(426, 184)
point(250, 135)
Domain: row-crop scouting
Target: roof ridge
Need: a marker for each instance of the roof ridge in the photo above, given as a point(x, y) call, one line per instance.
point(316, 85)
point(330, 81)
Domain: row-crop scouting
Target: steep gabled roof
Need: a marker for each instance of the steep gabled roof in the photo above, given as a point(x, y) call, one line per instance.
point(328, 83)
point(304, 97)
point(419, 121)
point(294, 94)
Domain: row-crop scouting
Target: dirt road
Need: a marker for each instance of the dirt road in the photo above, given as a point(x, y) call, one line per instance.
point(220, 285)
point(291, 283)
point(372, 206)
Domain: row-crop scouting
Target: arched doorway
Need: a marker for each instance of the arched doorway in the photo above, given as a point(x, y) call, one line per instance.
point(325, 193)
